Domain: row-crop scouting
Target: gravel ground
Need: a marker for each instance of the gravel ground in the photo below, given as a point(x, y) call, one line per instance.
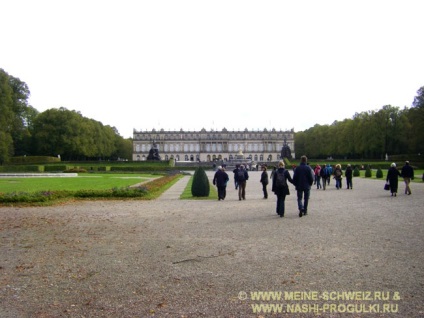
point(175, 258)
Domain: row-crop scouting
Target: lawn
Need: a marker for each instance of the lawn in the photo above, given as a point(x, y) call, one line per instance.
point(82, 182)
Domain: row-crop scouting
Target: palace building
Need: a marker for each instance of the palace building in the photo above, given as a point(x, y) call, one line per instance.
point(203, 145)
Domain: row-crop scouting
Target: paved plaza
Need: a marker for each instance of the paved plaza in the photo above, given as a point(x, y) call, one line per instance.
point(358, 253)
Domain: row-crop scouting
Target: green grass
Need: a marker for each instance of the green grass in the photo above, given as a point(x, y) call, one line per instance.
point(186, 195)
point(82, 182)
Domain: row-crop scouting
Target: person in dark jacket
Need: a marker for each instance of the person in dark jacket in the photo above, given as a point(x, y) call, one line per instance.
point(324, 176)
point(392, 177)
point(220, 179)
point(242, 176)
point(303, 178)
point(338, 173)
point(281, 190)
point(407, 175)
point(264, 181)
point(349, 175)
point(235, 178)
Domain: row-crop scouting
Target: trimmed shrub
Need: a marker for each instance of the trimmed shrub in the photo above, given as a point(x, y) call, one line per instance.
point(356, 172)
point(379, 174)
point(33, 159)
point(200, 186)
point(368, 172)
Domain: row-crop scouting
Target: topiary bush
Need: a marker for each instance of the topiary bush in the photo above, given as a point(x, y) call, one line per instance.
point(379, 174)
point(368, 173)
point(356, 172)
point(200, 186)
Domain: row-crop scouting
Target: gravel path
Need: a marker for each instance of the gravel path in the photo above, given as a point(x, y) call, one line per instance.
point(175, 258)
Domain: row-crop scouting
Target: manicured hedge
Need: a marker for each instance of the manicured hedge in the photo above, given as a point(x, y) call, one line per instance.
point(33, 159)
point(22, 168)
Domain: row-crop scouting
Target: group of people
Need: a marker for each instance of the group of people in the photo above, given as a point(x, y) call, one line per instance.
point(303, 178)
point(393, 174)
point(326, 172)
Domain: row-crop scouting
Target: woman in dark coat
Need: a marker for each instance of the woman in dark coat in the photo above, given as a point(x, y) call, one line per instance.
point(392, 177)
point(281, 191)
point(264, 180)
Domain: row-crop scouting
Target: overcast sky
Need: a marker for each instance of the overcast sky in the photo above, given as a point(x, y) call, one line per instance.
point(136, 64)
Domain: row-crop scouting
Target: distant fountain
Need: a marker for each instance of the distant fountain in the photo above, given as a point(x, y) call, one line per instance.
point(239, 160)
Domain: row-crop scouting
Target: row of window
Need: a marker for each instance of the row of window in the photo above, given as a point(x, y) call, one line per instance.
point(211, 147)
point(213, 136)
point(208, 157)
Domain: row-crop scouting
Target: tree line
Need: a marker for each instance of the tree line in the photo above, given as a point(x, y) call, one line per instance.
point(59, 131)
point(368, 135)
point(25, 131)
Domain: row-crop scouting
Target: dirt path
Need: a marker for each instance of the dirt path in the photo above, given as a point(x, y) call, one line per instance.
point(174, 258)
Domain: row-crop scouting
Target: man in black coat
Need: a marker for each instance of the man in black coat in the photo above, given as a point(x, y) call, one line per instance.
point(303, 178)
point(220, 179)
point(407, 175)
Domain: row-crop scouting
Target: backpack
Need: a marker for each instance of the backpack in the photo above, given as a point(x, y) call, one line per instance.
point(280, 180)
point(240, 175)
point(338, 173)
point(327, 172)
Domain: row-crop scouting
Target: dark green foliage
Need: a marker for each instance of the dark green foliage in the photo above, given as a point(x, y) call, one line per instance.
point(200, 186)
point(356, 172)
point(33, 159)
point(379, 174)
point(368, 172)
point(127, 192)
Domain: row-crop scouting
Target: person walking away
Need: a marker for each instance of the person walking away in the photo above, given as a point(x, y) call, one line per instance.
point(303, 180)
point(330, 173)
point(235, 176)
point(317, 173)
point(349, 175)
point(220, 179)
point(338, 173)
point(407, 175)
point(392, 177)
point(264, 180)
point(242, 177)
point(280, 187)
point(323, 175)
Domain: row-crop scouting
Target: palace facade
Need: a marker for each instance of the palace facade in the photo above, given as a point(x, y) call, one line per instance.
point(203, 145)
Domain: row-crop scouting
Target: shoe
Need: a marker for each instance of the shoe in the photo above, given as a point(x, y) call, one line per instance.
point(305, 212)
point(281, 215)
point(300, 213)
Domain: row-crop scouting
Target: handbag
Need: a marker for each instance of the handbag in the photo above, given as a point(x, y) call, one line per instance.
point(387, 186)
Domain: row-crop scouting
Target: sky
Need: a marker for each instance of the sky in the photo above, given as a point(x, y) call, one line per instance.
point(193, 64)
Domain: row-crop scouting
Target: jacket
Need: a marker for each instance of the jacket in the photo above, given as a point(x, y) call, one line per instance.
point(285, 190)
point(303, 177)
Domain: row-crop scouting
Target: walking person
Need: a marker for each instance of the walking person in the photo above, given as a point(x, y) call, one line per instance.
point(280, 187)
point(242, 176)
point(324, 176)
point(349, 175)
point(220, 179)
point(303, 179)
point(392, 178)
point(235, 176)
point(317, 173)
point(264, 180)
point(338, 173)
point(330, 173)
point(407, 175)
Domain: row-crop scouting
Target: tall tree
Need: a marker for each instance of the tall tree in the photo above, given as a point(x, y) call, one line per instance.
point(15, 115)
